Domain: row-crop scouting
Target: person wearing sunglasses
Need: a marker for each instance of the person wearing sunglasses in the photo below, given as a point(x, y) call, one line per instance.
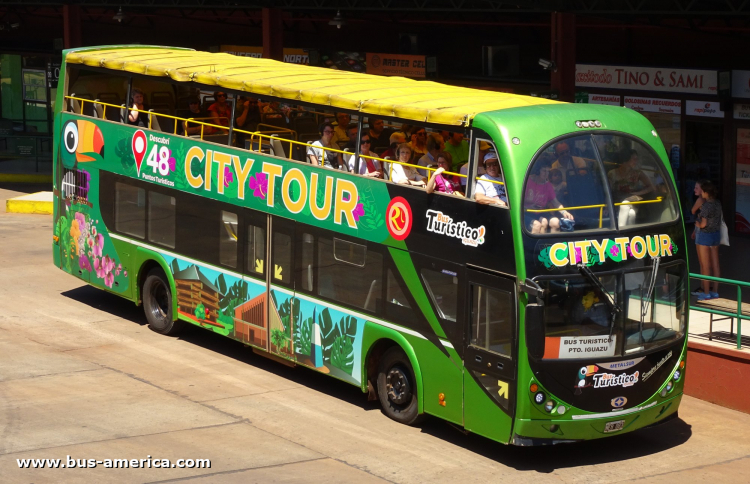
point(490, 188)
point(367, 166)
point(220, 111)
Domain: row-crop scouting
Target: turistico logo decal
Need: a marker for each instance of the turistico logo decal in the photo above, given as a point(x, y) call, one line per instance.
point(440, 223)
point(591, 252)
point(399, 218)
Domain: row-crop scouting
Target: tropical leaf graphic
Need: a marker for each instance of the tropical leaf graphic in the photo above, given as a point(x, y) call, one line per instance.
point(342, 354)
point(303, 336)
point(124, 151)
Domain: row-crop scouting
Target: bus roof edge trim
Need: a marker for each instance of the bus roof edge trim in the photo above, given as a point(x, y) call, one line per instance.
point(423, 101)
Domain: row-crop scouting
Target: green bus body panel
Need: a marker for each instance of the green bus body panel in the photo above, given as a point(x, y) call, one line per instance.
point(483, 415)
point(569, 429)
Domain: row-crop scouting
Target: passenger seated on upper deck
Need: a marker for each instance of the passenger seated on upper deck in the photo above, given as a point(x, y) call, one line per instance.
point(367, 166)
point(429, 159)
point(140, 117)
point(405, 175)
point(561, 188)
point(629, 184)
point(449, 184)
point(320, 157)
point(418, 143)
point(584, 186)
point(395, 139)
point(192, 129)
point(340, 134)
point(490, 188)
point(220, 110)
point(540, 195)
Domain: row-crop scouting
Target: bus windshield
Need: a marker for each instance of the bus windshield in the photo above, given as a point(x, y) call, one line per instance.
point(649, 312)
point(596, 182)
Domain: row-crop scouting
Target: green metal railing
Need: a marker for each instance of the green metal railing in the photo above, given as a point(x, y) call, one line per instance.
point(707, 309)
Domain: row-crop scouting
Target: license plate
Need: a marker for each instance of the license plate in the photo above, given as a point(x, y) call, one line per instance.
point(614, 426)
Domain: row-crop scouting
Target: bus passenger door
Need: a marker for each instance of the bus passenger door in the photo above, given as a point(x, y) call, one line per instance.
point(282, 305)
point(251, 317)
point(490, 355)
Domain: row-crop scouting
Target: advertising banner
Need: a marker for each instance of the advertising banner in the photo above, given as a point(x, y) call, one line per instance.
point(741, 111)
point(604, 99)
point(647, 79)
point(703, 108)
point(652, 105)
point(397, 65)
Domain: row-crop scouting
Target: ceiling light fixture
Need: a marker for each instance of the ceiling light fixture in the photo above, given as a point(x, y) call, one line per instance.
point(119, 16)
point(338, 20)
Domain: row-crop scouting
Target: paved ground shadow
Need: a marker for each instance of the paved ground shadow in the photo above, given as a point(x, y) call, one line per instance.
point(539, 459)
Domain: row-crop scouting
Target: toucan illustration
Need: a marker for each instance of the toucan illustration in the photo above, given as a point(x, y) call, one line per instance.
point(584, 372)
point(82, 142)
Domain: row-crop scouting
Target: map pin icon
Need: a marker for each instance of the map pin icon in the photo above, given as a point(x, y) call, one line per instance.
point(139, 148)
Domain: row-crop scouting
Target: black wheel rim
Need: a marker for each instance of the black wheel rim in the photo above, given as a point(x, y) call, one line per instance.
point(159, 301)
point(398, 386)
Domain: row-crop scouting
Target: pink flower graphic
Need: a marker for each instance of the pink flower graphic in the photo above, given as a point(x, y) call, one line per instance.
point(259, 184)
point(614, 251)
point(627, 248)
point(228, 176)
point(98, 267)
point(81, 220)
point(109, 279)
point(83, 263)
point(118, 270)
point(579, 257)
point(359, 210)
point(98, 245)
point(172, 162)
point(125, 273)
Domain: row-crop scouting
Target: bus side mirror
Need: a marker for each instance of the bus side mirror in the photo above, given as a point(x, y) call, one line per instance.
point(535, 330)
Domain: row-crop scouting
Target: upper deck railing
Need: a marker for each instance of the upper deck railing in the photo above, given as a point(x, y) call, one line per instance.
point(255, 136)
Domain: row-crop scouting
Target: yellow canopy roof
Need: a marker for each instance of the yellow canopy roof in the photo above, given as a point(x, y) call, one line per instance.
point(423, 101)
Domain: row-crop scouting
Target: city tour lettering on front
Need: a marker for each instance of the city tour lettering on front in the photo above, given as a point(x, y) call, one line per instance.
point(571, 253)
point(647, 78)
point(339, 195)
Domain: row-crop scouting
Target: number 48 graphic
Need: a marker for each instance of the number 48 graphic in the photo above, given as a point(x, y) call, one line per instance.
point(158, 159)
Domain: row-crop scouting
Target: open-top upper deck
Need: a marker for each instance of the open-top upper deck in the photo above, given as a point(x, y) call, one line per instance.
point(409, 99)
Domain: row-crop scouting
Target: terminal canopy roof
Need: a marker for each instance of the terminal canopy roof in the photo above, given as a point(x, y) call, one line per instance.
point(422, 101)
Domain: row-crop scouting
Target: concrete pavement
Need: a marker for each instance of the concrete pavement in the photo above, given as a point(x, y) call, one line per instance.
point(81, 375)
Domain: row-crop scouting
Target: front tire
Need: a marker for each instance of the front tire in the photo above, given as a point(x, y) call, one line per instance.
point(157, 304)
point(397, 388)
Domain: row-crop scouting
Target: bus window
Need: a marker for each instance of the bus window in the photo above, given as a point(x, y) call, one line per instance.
point(228, 239)
point(88, 87)
point(256, 251)
point(307, 249)
point(130, 210)
point(161, 219)
point(282, 257)
point(443, 290)
point(492, 320)
point(490, 182)
point(638, 183)
point(349, 273)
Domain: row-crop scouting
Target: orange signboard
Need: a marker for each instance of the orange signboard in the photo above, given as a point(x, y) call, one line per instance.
point(396, 65)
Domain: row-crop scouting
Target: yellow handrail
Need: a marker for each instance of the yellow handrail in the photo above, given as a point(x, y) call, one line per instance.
point(600, 207)
point(261, 135)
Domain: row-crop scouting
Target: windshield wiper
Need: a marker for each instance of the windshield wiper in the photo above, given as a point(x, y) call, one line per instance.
point(649, 292)
point(613, 307)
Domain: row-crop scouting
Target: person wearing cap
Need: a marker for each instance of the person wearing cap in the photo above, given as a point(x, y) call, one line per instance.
point(484, 148)
point(490, 188)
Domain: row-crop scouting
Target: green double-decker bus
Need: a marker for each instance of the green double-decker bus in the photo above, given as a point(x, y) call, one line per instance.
point(541, 302)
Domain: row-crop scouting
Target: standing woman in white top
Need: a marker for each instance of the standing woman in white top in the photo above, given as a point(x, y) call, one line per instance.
point(320, 157)
point(406, 175)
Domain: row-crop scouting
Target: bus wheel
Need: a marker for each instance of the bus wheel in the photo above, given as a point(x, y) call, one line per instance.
point(397, 389)
point(157, 304)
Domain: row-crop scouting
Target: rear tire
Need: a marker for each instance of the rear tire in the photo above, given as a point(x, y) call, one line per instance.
point(157, 304)
point(397, 388)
